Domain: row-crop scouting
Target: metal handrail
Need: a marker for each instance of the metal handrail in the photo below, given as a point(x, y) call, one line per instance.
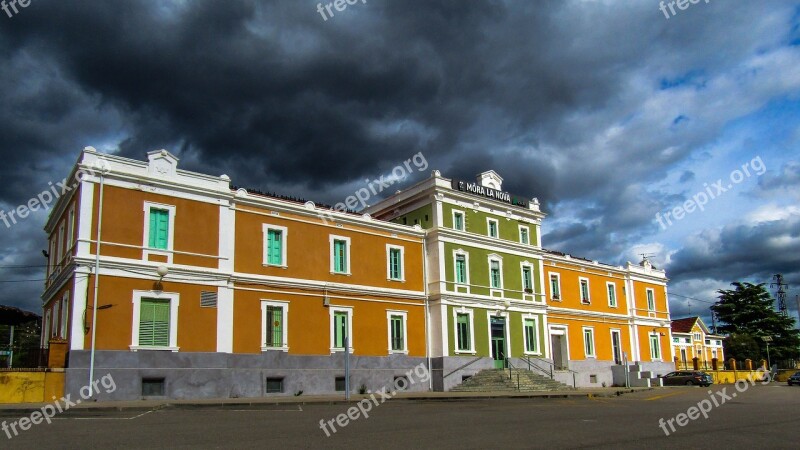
point(510, 367)
point(552, 367)
point(464, 366)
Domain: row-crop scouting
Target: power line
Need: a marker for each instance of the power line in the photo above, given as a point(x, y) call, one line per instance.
point(691, 298)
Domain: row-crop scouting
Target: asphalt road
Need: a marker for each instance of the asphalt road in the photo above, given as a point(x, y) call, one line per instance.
point(758, 417)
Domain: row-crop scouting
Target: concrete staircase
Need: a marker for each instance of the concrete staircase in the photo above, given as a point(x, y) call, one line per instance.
point(643, 378)
point(496, 380)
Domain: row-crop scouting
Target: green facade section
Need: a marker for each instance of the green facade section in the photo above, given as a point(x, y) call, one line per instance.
point(475, 222)
point(478, 269)
point(480, 331)
point(422, 216)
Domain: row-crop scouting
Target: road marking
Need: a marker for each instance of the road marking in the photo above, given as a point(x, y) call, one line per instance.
point(105, 418)
point(299, 409)
point(658, 397)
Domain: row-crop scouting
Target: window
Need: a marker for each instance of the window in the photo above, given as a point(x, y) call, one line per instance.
point(64, 316)
point(274, 385)
point(655, 347)
point(585, 291)
point(394, 263)
point(340, 254)
point(458, 220)
point(341, 328)
point(494, 274)
point(461, 269)
point(524, 235)
point(70, 229)
point(61, 243)
point(275, 245)
point(152, 387)
point(491, 225)
point(527, 279)
point(531, 336)
point(46, 328)
point(340, 384)
point(612, 294)
point(651, 301)
point(463, 337)
point(155, 321)
point(274, 325)
point(555, 286)
point(397, 331)
point(159, 229)
point(588, 342)
point(697, 337)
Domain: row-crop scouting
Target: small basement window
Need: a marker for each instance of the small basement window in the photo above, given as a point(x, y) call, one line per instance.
point(340, 384)
point(152, 387)
point(274, 385)
point(592, 378)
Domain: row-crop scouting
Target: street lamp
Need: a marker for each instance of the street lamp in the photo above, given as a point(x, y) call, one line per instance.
point(767, 339)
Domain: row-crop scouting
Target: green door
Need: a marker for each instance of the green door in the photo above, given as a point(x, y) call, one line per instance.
point(498, 325)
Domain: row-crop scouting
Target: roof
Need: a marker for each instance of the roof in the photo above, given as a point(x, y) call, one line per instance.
point(686, 324)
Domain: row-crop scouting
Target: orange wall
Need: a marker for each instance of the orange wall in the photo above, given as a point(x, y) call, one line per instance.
point(308, 252)
point(197, 327)
point(602, 337)
point(644, 343)
point(309, 324)
point(640, 291)
point(570, 290)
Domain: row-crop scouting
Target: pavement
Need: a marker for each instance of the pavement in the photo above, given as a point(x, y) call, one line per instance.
point(312, 399)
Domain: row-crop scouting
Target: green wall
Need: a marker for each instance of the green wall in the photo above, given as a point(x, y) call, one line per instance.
point(479, 271)
point(480, 330)
point(475, 222)
point(422, 216)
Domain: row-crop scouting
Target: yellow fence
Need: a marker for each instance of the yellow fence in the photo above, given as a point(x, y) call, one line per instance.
point(31, 386)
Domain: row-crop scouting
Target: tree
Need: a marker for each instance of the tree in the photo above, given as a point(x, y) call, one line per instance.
point(748, 310)
point(741, 346)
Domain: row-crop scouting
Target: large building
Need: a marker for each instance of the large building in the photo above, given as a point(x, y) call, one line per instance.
point(200, 289)
point(695, 346)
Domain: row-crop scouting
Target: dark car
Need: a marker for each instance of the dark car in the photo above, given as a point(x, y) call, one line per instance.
point(794, 379)
point(687, 377)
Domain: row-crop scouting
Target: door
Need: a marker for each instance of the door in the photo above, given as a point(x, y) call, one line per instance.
point(683, 358)
point(559, 347)
point(616, 347)
point(498, 333)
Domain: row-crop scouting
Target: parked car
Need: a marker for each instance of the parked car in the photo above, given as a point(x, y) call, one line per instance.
point(687, 377)
point(794, 379)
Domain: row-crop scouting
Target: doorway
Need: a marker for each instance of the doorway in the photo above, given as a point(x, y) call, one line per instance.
point(616, 346)
point(558, 344)
point(498, 344)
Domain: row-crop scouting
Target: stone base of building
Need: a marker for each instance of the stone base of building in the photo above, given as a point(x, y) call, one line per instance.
point(178, 375)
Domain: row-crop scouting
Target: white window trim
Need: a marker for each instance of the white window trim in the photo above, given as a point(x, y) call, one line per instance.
point(174, 301)
point(471, 322)
point(647, 298)
point(528, 229)
point(522, 267)
point(536, 334)
point(331, 239)
point(285, 331)
point(455, 269)
point(499, 259)
point(463, 221)
point(611, 333)
point(61, 242)
point(345, 309)
point(64, 313)
point(46, 328)
point(660, 353)
point(488, 229)
point(70, 228)
point(389, 248)
point(588, 300)
point(284, 244)
point(550, 287)
point(616, 297)
point(404, 314)
point(170, 238)
point(586, 353)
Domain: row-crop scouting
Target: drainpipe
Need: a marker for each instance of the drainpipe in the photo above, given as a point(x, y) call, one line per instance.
point(96, 283)
point(427, 311)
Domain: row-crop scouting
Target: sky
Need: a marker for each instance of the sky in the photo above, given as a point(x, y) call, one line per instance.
point(611, 113)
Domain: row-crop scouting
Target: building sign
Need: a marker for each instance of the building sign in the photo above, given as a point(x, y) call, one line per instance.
point(494, 194)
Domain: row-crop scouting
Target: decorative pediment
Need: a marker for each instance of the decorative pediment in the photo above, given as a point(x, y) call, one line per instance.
point(162, 164)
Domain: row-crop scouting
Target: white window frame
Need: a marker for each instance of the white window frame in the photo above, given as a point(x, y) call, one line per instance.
point(648, 292)
point(615, 302)
point(489, 229)
point(535, 319)
point(404, 314)
point(284, 332)
point(331, 239)
point(653, 356)
point(265, 228)
point(499, 259)
point(588, 300)
point(389, 248)
point(697, 336)
point(70, 228)
point(586, 352)
point(61, 242)
point(46, 328)
point(470, 313)
point(532, 294)
point(550, 286)
point(528, 231)
point(171, 209)
point(332, 310)
point(611, 333)
point(463, 219)
point(456, 283)
point(174, 301)
point(62, 326)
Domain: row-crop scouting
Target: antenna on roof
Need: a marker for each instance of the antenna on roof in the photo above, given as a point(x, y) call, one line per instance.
point(646, 256)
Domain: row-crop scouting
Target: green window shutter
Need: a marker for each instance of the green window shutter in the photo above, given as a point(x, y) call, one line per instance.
point(159, 228)
point(530, 336)
point(395, 271)
point(154, 323)
point(397, 333)
point(274, 326)
point(463, 331)
point(275, 247)
point(461, 269)
point(459, 222)
point(339, 256)
point(340, 329)
point(526, 278)
point(495, 274)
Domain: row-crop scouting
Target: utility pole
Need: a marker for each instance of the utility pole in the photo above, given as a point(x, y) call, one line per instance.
point(781, 294)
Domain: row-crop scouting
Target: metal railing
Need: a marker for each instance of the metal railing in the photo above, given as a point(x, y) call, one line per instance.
point(463, 366)
point(510, 369)
point(551, 368)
